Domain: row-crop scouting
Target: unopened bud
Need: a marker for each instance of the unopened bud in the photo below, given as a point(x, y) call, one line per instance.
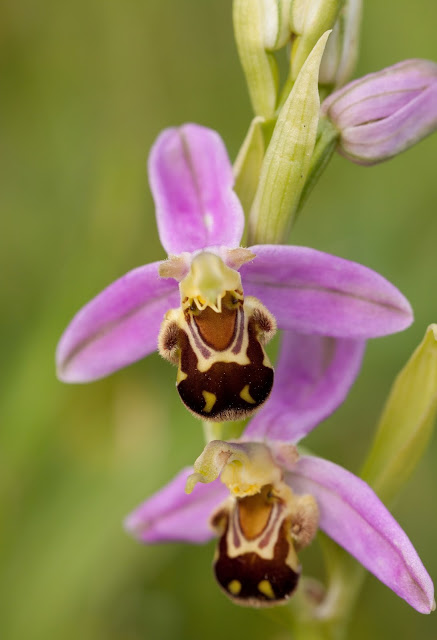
point(339, 59)
point(259, 66)
point(386, 112)
point(276, 27)
point(309, 19)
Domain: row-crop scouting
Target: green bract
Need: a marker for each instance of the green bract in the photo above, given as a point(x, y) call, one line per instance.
point(406, 423)
point(248, 163)
point(288, 156)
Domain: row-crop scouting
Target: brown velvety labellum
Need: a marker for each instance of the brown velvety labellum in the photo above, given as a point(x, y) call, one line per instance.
point(226, 390)
point(251, 580)
point(223, 370)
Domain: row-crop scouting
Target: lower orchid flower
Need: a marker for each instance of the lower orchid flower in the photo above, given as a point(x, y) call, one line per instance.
point(193, 305)
point(271, 500)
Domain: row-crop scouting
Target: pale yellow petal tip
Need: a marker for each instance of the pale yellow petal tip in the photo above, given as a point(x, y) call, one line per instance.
point(323, 40)
point(192, 480)
point(432, 329)
point(433, 606)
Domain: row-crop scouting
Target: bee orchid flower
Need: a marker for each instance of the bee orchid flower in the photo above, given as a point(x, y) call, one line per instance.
point(213, 305)
point(264, 501)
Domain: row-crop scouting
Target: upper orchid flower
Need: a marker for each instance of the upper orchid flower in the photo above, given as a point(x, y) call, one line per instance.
point(213, 331)
point(270, 500)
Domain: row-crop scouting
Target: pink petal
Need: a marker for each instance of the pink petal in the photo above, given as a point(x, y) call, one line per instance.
point(191, 181)
point(353, 516)
point(117, 327)
point(172, 515)
point(312, 378)
point(314, 292)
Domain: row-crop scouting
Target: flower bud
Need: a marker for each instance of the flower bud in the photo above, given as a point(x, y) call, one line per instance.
point(407, 422)
point(276, 25)
point(259, 66)
point(339, 59)
point(384, 113)
point(309, 19)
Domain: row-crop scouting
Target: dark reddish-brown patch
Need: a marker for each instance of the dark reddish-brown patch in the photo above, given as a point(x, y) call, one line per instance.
point(216, 329)
point(249, 569)
point(226, 381)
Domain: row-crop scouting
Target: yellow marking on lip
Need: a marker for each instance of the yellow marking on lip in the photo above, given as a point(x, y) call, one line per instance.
point(245, 395)
point(266, 589)
point(180, 376)
point(234, 587)
point(210, 400)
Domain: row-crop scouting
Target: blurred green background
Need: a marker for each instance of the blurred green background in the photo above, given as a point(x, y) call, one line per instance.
point(85, 88)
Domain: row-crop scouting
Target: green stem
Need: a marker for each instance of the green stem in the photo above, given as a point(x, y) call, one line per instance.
point(345, 579)
point(314, 630)
point(223, 430)
point(325, 146)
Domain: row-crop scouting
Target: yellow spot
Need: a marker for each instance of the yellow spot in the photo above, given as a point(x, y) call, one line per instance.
point(210, 400)
point(266, 589)
point(181, 376)
point(245, 395)
point(234, 587)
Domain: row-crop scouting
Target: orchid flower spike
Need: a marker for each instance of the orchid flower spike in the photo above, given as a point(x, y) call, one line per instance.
point(212, 305)
point(265, 502)
point(386, 112)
